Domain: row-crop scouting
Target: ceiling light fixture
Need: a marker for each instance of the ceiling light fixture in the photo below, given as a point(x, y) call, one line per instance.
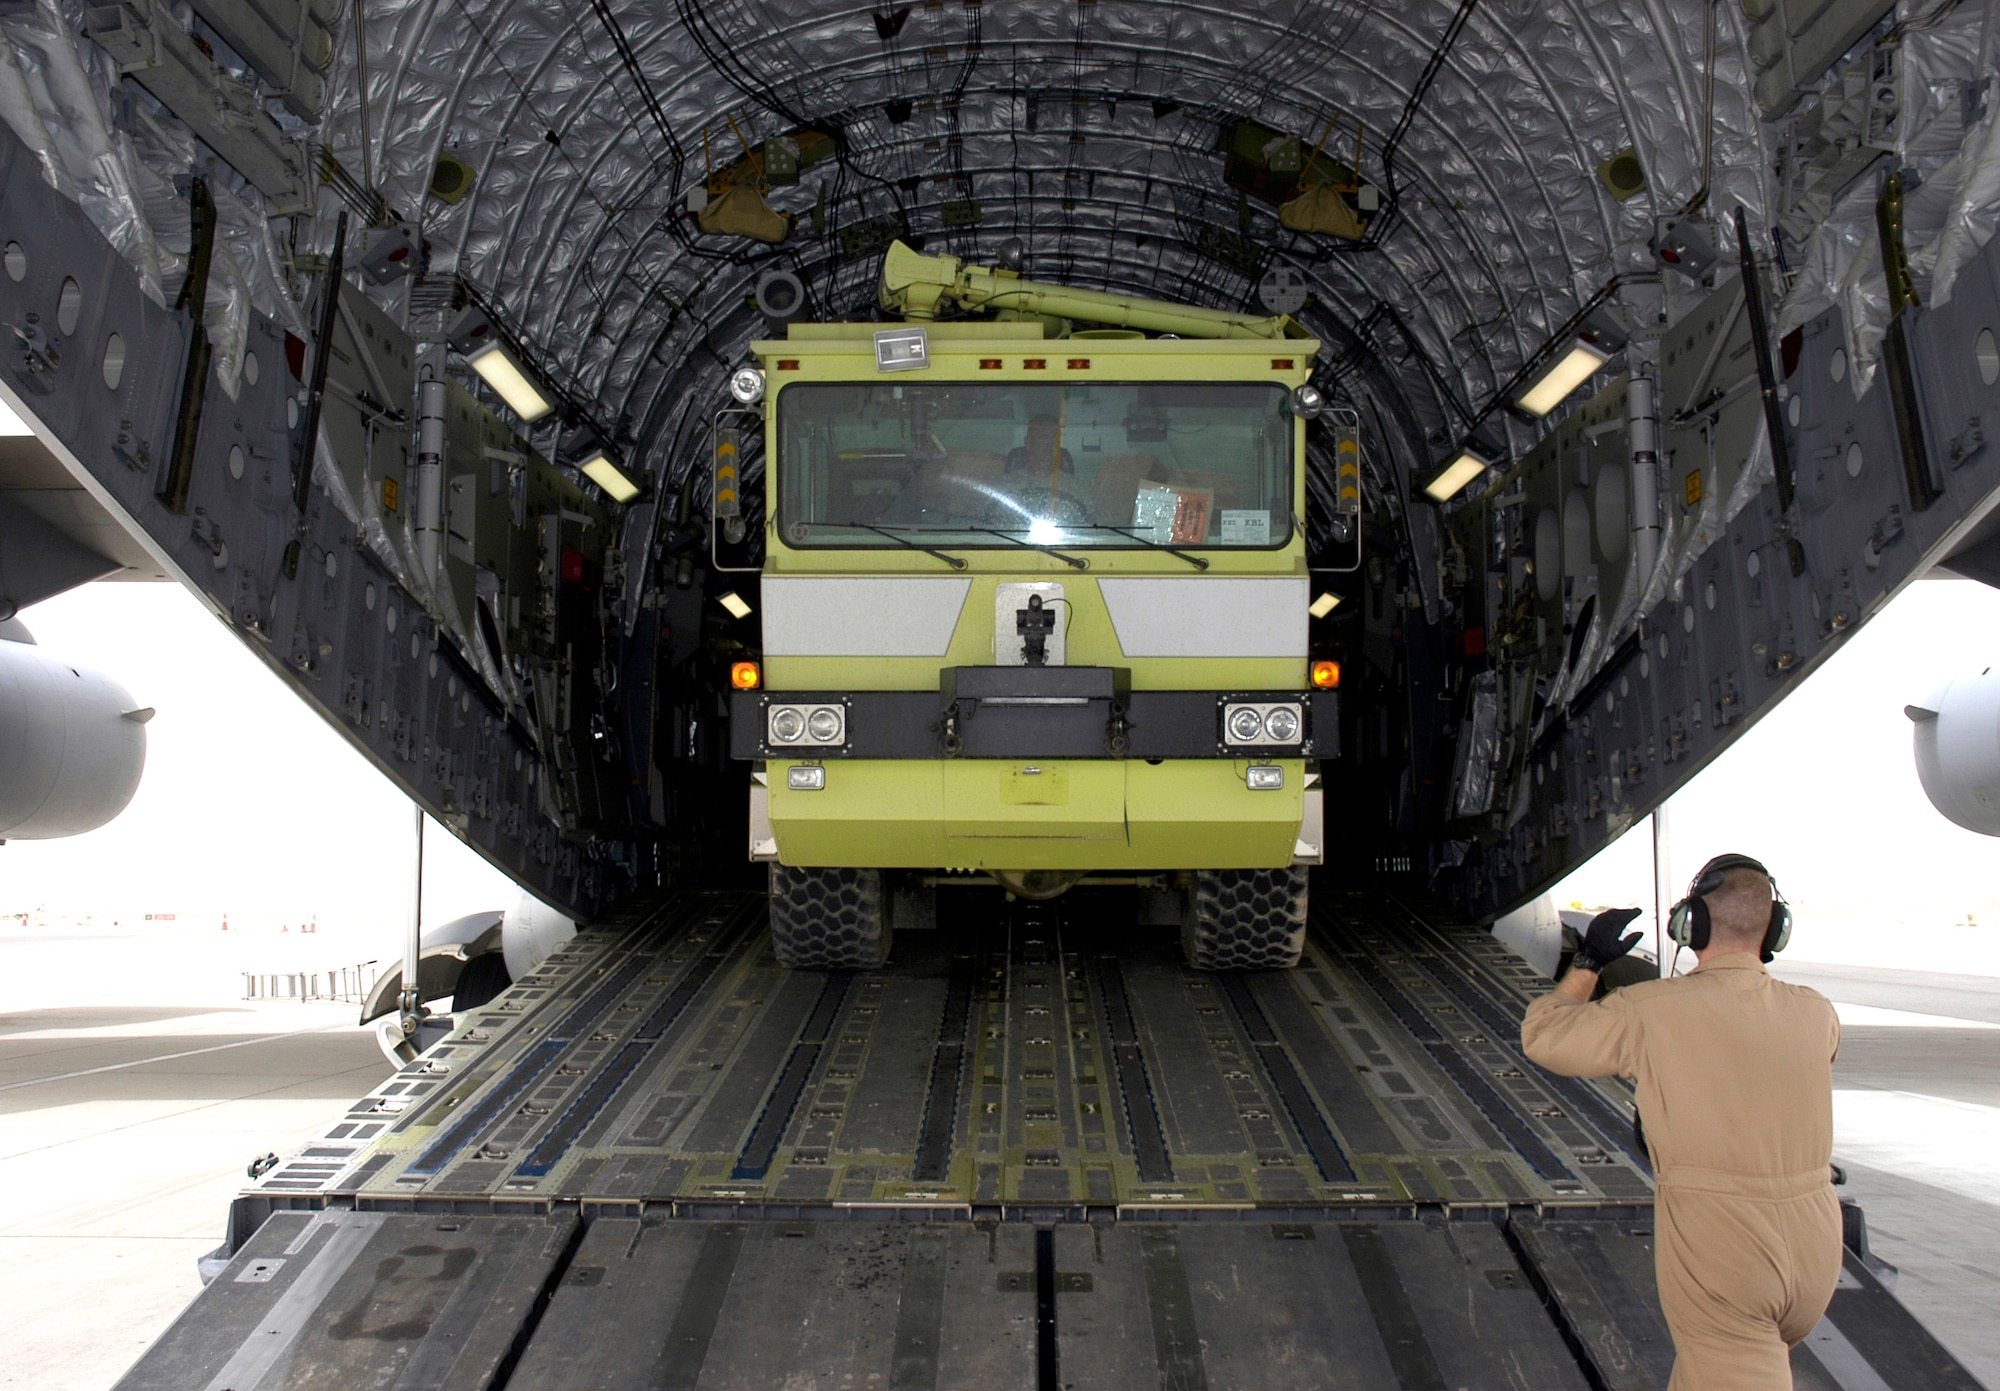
point(601, 469)
point(497, 367)
point(1453, 478)
point(1567, 370)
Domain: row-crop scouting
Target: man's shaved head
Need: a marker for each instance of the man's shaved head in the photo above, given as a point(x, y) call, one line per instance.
point(1739, 912)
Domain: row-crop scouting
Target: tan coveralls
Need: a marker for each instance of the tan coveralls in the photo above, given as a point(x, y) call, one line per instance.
point(1735, 1086)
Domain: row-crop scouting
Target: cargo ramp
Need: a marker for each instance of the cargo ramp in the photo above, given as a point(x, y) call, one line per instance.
point(1036, 1152)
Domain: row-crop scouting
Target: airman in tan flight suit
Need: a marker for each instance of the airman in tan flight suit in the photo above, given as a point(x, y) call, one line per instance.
point(1735, 1090)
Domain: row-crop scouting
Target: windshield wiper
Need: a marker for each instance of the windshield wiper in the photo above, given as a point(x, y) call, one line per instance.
point(955, 562)
point(1074, 562)
point(1144, 540)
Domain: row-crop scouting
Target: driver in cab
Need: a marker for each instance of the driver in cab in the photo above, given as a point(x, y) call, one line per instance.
point(1037, 456)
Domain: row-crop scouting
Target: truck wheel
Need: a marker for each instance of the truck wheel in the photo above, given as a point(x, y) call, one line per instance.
point(828, 919)
point(1246, 919)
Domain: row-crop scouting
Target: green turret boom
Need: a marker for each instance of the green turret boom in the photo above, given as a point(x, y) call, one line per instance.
point(923, 287)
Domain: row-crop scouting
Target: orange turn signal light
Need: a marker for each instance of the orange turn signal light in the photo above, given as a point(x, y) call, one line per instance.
point(744, 676)
point(1326, 676)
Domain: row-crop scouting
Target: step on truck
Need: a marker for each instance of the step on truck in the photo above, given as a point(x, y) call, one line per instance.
point(1034, 611)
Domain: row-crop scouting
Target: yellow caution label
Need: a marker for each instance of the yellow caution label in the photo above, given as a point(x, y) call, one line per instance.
point(389, 491)
point(1694, 487)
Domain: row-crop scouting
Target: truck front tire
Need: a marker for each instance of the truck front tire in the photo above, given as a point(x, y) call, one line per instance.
point(829, 919)
point(1246, 919)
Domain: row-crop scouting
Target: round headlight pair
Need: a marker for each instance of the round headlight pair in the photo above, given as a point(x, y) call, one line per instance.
point(1277, 725)
point(788, 725)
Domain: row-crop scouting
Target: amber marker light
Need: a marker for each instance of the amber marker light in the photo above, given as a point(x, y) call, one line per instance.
point(744, 676)
point(1326, 676)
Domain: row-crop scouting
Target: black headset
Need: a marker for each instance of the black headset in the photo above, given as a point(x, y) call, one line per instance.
point(1689, 923)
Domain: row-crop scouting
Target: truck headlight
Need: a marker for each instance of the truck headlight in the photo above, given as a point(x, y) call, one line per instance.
point(806, 724)
point(1281, 724)
point(810, 777)
point(746, 384)
point(1246, 726)
point(1264, 777)
point(1262, 724)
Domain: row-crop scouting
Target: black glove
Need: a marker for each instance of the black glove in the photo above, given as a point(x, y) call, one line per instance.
point(1601, 943)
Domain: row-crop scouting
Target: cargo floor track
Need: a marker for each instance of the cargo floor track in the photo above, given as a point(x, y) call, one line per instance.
point(1033, 1152)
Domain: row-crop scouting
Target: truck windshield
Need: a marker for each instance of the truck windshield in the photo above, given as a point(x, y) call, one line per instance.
point(1103, 464)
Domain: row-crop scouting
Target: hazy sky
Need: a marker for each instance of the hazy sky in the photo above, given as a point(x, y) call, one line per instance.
point(252, 805)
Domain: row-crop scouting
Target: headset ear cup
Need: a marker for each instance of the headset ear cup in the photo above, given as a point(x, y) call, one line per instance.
point(1780, 931)
point(1698, 925)
point(1680, 926)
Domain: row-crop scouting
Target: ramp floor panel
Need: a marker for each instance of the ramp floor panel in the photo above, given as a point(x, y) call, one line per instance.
point(1033, 1152)
point(1021, 1055)
point(1481, 1301)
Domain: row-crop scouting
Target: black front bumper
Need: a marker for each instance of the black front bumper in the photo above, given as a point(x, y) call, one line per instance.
point(1033, 712)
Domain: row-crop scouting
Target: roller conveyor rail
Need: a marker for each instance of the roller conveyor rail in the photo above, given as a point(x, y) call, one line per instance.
point(1034, 1151)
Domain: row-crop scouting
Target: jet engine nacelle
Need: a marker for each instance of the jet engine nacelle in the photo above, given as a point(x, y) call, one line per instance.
point(531, 934)
point(72, 745)
point(1958, 750)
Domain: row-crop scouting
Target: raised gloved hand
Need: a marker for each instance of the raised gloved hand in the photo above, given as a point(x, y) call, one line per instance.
point(1602, 943)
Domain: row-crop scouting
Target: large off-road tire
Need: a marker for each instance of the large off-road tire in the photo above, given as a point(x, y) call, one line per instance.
point(1245, 919)
point(829, 919)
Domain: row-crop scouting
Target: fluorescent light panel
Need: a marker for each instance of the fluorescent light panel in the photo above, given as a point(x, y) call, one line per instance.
point(1324, 605)
point(499, 370)
point(1568, 372)
point(599, 469)
point(735, 604)
point(1455, 476)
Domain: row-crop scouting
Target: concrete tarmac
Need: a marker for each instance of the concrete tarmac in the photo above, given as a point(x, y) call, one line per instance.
point(1917, 1127)
point(126, 1124)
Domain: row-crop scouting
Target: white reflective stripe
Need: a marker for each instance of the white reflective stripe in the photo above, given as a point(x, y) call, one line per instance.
point(1208, 617)
point(1842, 1360)
point(277, 1331)
point(862, 617)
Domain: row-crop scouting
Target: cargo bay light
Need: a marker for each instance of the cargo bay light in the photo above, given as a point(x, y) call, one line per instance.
point(1035, 609)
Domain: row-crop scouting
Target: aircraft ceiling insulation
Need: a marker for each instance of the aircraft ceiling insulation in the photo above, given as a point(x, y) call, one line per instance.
point(1448, 194)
